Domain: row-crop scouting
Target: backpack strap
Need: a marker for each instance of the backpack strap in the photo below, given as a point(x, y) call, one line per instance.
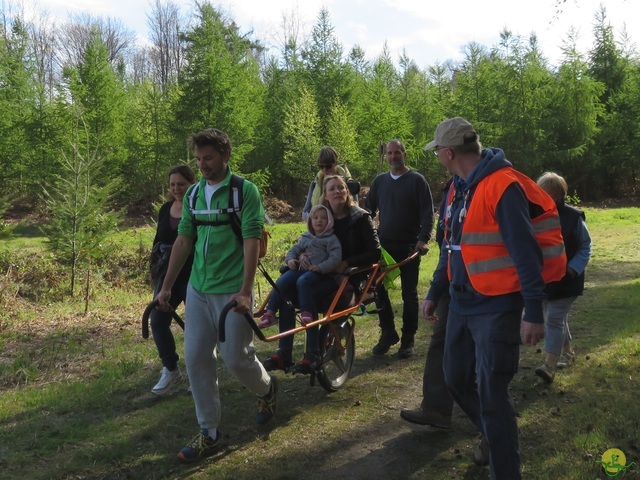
point(236, 198)
point(233, 209)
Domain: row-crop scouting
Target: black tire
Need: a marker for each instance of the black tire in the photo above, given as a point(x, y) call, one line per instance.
point(337, 351)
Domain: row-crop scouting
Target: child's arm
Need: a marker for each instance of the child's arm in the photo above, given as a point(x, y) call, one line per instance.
point(291, 258)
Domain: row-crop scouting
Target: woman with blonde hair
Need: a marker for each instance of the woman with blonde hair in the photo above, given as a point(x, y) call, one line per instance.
point(360, 247)
point(561, 294)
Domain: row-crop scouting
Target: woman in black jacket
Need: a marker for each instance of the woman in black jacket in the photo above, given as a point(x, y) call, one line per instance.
point(181, 177)
point(360, 247)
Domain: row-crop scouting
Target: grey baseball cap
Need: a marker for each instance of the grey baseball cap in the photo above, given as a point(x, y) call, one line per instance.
point(451, 133)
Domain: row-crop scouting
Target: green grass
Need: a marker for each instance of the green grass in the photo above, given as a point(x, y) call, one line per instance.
point(75, 400)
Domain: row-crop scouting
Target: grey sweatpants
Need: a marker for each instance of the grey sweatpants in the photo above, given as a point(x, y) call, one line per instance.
point(200, 339)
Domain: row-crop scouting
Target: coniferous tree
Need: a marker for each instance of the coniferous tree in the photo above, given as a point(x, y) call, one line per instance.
point(220, 85)
point(17, 103)
point(301, 140)
point(80, 218)
point(342, 135)
point(571, 119)
point(325, 71)
point(96, 91)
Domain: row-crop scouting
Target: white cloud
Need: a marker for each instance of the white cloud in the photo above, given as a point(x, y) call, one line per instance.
point(429, 31)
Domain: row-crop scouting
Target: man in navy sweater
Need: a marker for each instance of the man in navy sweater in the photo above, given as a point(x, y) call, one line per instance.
point(402, 199)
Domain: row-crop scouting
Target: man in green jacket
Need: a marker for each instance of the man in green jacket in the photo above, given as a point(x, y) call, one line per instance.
point(223, 270)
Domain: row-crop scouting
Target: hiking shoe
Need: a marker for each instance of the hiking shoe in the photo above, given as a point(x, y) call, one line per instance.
point(306, 366)
point(277, 362)
point(386, 340)
point(267, 320)
point(566, 360)
point(200, 446)
point(406, 347)
point(306, 318)
point(546, 372)
point(267, 403)
point(427, 417)
point(482, 454)
point(168, 380)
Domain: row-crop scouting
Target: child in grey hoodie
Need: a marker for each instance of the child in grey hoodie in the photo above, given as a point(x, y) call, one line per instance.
point(323, 251)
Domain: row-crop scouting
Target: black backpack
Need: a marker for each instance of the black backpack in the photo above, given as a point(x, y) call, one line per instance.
point(236, 184)
point(235, 206)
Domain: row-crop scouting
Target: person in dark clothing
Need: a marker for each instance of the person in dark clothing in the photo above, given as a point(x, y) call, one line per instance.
point(562, 294)
point(437, 405)
point(493, 266)
point(180, 178)
point(402, 200)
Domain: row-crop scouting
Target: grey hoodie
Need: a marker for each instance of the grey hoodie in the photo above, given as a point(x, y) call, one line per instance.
point(323, 250)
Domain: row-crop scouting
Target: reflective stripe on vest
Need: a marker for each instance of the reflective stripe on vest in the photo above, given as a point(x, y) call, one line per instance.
point(490, 268)
point(485, 266)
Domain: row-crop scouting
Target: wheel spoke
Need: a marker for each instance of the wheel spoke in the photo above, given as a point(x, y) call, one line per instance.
point(339, 363)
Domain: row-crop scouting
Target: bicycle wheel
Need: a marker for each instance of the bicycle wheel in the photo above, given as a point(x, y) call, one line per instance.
point(337, 350)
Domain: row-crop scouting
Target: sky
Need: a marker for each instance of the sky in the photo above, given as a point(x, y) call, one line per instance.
point(430, 32)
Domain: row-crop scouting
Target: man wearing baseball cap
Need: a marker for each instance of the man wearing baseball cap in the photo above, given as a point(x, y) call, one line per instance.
point(498, 223)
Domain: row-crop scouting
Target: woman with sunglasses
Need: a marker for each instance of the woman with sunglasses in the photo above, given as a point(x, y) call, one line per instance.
point(328, 165)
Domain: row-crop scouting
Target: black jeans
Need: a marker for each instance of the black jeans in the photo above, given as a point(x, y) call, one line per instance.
point(409, 279)
point(435, 393)
point(161, 326)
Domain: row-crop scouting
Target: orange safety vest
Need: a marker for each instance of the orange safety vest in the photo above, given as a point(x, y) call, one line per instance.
point(490, 268)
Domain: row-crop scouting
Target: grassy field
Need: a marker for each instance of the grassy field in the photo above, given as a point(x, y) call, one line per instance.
point(75, 399)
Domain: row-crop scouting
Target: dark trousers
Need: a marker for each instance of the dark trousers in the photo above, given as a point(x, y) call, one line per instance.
point(161, 325)
point(409, 279)
point(435, 394)
point(480, 359)
point(322, 287)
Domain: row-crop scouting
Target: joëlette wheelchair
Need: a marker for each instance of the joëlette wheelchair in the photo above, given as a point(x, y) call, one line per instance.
point(337, 326)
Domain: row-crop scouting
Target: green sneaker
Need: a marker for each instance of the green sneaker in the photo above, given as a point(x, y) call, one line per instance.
point(267, 403)
point(200, 446)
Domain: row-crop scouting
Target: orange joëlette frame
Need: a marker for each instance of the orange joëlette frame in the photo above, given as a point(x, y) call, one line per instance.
point(376, 276)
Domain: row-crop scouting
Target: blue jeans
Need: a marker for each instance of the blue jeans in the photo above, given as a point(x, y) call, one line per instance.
point(556, 319)
point(409, 275)
point(480, 359)
point(300, 283)
point(284, 285)
point(310, 292)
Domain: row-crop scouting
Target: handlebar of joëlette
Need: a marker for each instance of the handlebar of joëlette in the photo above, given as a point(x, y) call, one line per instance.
point(147, 312)
point(223, 320)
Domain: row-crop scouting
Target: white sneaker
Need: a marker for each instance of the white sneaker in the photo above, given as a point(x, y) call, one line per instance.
point(168, 379)
point(566, 359)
